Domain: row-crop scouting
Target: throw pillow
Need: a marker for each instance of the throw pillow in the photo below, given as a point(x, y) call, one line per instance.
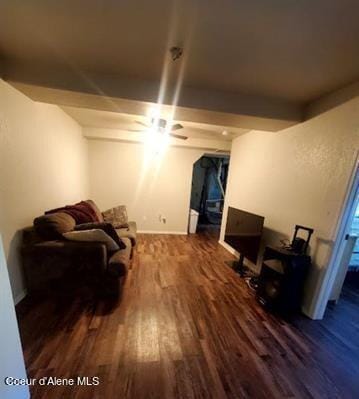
point(51, 227)
point(91, 236)
point(116, 216)
point(106, 227)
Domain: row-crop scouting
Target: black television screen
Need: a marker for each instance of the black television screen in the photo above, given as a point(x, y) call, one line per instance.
point(243, 232)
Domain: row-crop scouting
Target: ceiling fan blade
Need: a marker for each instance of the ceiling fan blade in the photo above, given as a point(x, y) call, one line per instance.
point(176, 126)
point(135, 130)
point(143, 124)
point(178, 136)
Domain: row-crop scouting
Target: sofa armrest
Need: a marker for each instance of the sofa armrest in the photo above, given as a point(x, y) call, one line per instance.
point(128, 232)
point(51, 260)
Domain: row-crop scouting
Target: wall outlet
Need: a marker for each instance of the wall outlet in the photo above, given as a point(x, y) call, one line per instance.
point(144, 218)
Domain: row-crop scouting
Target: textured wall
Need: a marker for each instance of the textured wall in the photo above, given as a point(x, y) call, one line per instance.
point(43, 164)
point(297, 176)
point(119, 174)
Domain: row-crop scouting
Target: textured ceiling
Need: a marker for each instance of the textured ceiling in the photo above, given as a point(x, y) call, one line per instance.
point(286, 49)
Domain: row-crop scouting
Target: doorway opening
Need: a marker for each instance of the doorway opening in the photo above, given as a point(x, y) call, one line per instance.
point(346, 284)
point(209, 182)
point(336, 289)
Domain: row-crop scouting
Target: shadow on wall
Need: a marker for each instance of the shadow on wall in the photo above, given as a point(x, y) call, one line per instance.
point(275, 238)
point(269, 237)
point(14, 263)
point(320, 256)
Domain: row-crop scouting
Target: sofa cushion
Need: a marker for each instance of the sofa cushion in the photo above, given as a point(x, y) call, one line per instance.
point(52, 226)
point(82, 212)
point(96, 210)
point(116, 216)
point(128, 232)
point(94, 235)
point(119, 261)
point(50, 266)
point(106, 227)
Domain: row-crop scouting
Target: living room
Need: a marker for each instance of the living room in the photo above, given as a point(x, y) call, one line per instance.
point(91, 112)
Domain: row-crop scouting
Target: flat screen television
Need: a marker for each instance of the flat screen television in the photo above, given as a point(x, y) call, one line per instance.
point(244, 232)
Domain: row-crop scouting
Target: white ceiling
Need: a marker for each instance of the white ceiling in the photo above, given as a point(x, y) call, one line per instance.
point(286, 49)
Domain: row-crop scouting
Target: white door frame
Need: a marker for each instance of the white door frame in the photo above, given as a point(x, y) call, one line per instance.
point(343, 227)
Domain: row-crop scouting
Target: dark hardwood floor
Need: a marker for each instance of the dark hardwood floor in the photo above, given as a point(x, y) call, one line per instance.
point(188, 327)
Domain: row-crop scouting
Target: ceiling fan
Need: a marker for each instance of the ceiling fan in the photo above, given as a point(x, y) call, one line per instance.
point(161, 125)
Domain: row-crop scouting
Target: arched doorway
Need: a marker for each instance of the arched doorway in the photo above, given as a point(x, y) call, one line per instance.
point(209, 181)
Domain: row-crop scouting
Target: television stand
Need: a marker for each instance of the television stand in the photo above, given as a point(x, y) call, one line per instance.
point(239, 267)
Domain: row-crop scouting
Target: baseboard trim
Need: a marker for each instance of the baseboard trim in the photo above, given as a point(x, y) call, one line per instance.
point(178, 233)
point(228, 248)
point(19, 297)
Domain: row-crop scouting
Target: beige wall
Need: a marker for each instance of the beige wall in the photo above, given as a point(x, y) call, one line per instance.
point(298, 176)
point(43, 164)
point(119, 175)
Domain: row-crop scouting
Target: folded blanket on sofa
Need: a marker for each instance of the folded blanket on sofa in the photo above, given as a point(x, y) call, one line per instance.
point(82, 212)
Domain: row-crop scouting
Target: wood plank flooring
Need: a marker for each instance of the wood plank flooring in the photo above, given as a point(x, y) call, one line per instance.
point(186, 326)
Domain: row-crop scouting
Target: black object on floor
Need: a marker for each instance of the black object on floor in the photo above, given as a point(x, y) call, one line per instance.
point(281, 281)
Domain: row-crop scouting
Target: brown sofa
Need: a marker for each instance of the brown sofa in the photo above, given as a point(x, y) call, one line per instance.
point(51, 262)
